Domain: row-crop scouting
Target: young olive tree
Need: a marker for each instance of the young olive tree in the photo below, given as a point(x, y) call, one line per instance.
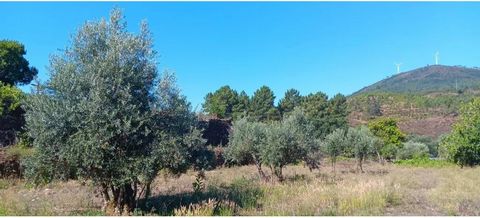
point(308, 147)
point(245, 143)
point(362, 142)
point(333, 145)
point(280, 149)
point(290, 141)
point(103, 117)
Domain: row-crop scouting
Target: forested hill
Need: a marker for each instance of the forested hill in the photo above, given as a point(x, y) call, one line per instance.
point(431, 78)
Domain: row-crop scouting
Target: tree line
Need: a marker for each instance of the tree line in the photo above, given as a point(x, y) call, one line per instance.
point(325, 114)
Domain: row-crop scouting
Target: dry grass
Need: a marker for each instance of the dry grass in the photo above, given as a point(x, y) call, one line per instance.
point(381, 190)
point(66, 198)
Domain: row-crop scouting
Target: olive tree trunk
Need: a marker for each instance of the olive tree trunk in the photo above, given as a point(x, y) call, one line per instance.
point(123, 199)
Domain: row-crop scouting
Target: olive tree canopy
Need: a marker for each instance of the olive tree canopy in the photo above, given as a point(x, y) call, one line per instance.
point(106, 116)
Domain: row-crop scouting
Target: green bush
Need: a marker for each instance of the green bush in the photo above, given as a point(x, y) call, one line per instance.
point(430, 142)
point(462, 145)
point(412, 150)
point(387, 130)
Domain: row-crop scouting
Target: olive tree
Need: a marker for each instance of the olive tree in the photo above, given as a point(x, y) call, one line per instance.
point(290, 141)
point(333, 145)
point(308, 147)
point(280, 149)
point(245, 143)
point(105, 116)
point(362, 142)
point(276, 144)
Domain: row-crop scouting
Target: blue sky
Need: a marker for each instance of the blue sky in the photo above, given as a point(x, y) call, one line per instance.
point(310, 46)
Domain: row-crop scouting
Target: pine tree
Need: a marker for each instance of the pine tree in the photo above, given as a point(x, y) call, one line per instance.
point(262, 105)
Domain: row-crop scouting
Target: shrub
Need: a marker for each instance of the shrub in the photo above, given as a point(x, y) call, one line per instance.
point(412, 150)
point(462, 145)
point(387, 130)
point(431, 143)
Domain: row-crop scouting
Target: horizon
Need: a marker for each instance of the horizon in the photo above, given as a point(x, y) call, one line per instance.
point(310, 46)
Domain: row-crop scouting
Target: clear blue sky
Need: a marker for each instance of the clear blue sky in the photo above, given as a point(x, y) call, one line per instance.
point(310, 46)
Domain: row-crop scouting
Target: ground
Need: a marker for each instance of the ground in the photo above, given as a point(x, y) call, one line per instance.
point(382, 190)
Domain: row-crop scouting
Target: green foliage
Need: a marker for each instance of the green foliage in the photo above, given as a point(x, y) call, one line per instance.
point(373, 107)
point(103, 116)
point(20, 150)
point(14, 67)
point(308, 147)
point(10, 98)
point(315, 107)
point(199, 184)
point(291, 100)
point(222, 102)
point(200, 156)
point(280, 149)
point(241, 108)
point(262, 105)
point(431, 143)
point(290, 141)
point(276, 144)
point(325, 115)
point(425, 104)
point(245, 141)
point(387, 130)
point(362, 143)
point(11, 114)
point(462, 145)
point(424, 162)
point(412, 150)
point(333, 145)
point(337, 110)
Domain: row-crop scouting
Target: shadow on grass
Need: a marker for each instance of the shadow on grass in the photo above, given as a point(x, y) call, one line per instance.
point(244, 193)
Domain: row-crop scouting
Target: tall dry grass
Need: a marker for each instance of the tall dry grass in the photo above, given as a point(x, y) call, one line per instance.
point(381, 190)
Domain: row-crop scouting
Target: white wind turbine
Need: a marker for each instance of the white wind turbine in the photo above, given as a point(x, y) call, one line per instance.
point(398, 67)
point(436, 57)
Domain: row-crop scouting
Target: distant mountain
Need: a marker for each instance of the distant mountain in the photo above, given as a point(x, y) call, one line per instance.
point(427, 79)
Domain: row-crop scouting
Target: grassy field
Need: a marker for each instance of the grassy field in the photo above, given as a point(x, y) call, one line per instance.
point(382, 190)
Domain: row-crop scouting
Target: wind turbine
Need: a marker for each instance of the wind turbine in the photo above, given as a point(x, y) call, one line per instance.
point(436, 57)
point(398, 67)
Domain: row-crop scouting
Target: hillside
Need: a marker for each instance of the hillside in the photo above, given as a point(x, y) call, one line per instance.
point(425, 100)
point(427, 79)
